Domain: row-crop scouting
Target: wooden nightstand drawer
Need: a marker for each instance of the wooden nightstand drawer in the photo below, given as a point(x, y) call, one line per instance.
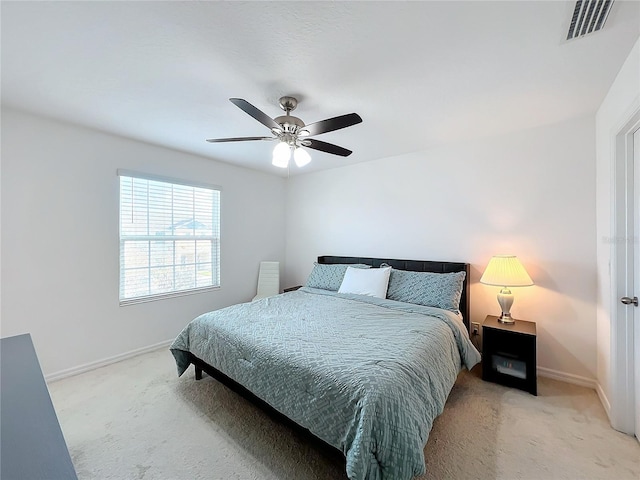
point(509, 354)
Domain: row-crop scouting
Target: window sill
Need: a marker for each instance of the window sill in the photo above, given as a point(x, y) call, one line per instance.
point(163, 296)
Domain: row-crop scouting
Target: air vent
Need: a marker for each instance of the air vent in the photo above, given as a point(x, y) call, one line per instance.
point(588, 17)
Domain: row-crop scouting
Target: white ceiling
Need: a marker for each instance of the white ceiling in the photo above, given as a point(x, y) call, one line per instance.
point(418, 73)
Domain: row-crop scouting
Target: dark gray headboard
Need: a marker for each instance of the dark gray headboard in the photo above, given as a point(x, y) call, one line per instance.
point(414, 266)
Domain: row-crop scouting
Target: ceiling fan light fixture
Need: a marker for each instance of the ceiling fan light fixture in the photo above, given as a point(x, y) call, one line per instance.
point(301, 157)
point(281, 155)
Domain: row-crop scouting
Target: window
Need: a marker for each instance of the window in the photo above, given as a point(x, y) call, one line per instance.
point(169, 237)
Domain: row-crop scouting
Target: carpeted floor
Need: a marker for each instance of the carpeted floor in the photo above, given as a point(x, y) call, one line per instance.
point(137, 420)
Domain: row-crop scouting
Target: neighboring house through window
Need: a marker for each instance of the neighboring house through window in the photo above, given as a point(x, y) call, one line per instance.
point(169, 237)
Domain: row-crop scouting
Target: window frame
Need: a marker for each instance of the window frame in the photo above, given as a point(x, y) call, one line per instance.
point(178, 293)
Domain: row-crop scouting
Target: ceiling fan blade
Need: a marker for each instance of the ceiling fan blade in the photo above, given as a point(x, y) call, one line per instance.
point(331, 124)
point(238, 139)
point(326, 147)
point(259, 115)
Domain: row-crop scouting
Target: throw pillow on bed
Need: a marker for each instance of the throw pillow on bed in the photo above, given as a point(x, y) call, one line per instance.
point(441, 290)
point(329, 276)
point(372, 282)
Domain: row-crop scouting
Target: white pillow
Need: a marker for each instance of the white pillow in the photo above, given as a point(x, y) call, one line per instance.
point(372, 282)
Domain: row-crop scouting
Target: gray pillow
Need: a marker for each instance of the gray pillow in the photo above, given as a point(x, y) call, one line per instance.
point(329, 277)
point(441, 290)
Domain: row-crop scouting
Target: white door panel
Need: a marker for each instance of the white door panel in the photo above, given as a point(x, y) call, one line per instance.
point(636, 273)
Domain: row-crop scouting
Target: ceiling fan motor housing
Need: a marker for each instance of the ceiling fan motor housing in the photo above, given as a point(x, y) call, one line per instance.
point(289, 123)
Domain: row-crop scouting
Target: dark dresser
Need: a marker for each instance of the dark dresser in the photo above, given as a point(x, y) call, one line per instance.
point(32, 446)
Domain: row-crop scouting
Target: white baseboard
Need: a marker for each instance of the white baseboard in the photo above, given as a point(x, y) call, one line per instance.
point(604, 400)
point(69, 372)
point(581, 381)
point(542, 371)
point(567, 377)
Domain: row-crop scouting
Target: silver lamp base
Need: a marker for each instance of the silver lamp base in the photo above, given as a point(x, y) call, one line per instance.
point(505, 299)
point(506, 318)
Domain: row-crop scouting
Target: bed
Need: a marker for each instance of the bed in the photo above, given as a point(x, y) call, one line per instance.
point(365, 375)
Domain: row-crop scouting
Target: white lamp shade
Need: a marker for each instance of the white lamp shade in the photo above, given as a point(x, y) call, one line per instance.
point(281, 155)
point(506, 271)
point(301, 157)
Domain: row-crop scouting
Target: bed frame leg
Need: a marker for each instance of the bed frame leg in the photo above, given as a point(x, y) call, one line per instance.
point(198, 372)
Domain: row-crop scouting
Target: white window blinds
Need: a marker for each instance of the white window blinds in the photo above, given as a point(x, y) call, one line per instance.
point(169, 237)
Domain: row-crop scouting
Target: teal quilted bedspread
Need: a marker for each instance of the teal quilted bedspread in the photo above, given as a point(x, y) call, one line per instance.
point(366, 375)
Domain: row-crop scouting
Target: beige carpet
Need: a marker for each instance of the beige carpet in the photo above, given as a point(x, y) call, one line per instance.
point(137, 420)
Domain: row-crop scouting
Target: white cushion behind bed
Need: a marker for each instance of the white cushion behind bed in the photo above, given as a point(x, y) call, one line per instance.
point(372, 282)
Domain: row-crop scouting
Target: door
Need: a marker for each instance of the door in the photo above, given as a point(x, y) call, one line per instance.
point(625, 314)
point(636, 273)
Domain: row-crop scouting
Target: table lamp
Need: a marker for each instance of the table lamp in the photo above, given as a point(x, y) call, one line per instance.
point(505, 271)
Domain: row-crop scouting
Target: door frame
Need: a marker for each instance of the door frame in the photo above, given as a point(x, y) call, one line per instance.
point(622, 413)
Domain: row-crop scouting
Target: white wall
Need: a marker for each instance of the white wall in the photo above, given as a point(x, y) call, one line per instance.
point(530, 193)
point(622, 100)
point(60, 239)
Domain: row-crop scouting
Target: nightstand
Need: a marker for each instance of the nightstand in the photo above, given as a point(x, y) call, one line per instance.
point(291, 289)
point(509, 354)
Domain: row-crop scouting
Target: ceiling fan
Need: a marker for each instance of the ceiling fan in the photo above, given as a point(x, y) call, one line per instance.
point(293, 133)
